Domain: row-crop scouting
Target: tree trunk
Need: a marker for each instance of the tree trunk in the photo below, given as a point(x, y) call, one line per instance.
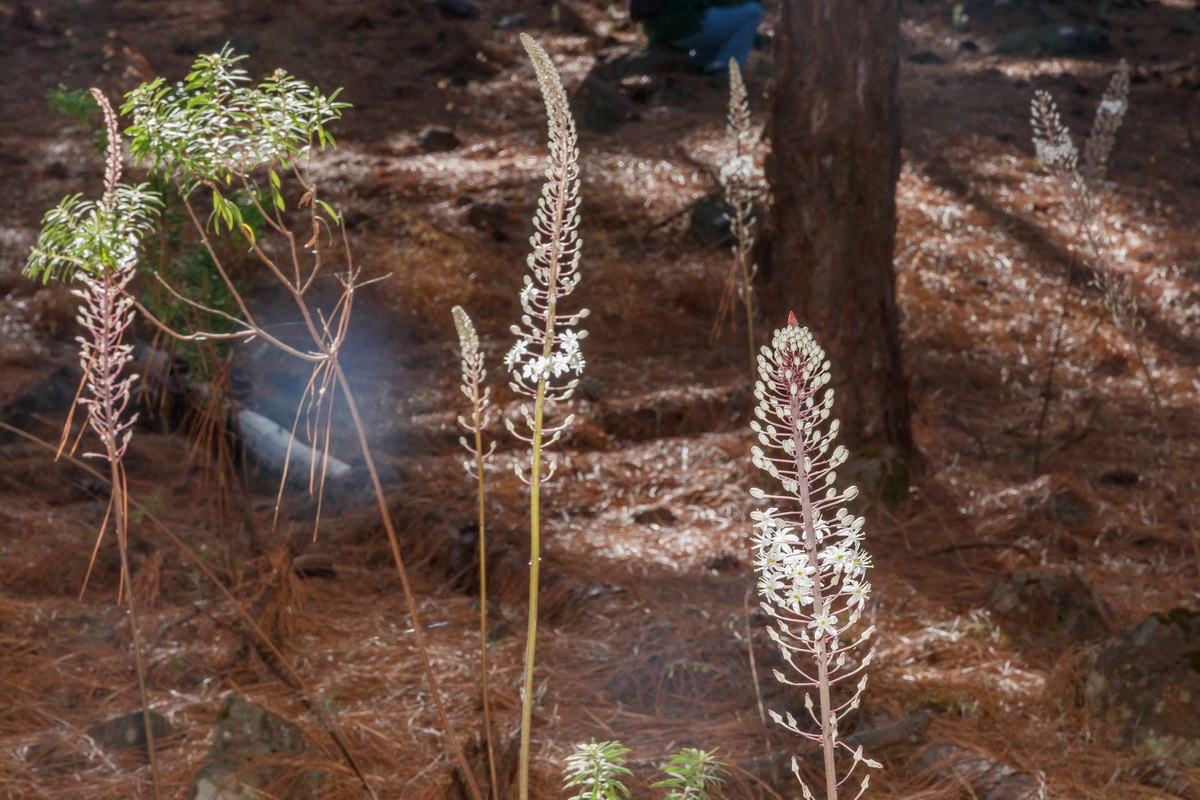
point(833, 168)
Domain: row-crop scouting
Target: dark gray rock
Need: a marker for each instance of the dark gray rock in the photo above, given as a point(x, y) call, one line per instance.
point(723, 562)
point(709, 221)
point(50, 397)
point(457, 9)
point(53, 752)
point(1163, 774)
point(674, 412)
point(879, 473)
point(249, 747)
point(245, 729)
point(129, 730)
point(654, 515)
point(488, 216)
point(987, 778)
point(1183, 23)
point(1146, 683)
point(1062, 509)
point(1048, 610)
point(600, 107)
point(1041, 41)
point(1121, 477)
point(590, 388)
point(925, 57)
point(434, 139)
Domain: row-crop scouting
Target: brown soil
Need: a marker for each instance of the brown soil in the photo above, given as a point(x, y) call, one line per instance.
point(646, 573)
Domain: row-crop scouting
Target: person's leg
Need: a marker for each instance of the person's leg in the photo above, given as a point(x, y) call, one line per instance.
point(744, 20)
point(725, 33)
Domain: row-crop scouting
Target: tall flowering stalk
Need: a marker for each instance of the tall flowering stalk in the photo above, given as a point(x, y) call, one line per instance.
point(808, 546)
point(98, 244)
point(547, 347)
point(473, 376)
point(739, 177)
point(1082, 181)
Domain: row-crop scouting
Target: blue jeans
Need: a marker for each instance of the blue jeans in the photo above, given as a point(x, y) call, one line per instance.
point(726, 32)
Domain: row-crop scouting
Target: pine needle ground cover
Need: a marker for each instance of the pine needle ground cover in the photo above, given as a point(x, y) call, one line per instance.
point(647, 523)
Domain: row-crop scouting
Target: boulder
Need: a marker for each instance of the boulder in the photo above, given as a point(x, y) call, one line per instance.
point(435, 139)
point(1046, 41)
point(986, 777)
point(654, 515)
point(600, 107)
point(248, 757)
point(1048, 610)
point(129, 730)
point(709, 221)
point(1146, 684)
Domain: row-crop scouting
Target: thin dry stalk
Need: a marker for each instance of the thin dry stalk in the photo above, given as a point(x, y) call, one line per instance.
point(1057, 152)
point(473, 377)
point(739, 180)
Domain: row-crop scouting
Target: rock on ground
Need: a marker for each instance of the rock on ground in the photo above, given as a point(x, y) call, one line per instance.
point(243, 762)
point(1146, 683)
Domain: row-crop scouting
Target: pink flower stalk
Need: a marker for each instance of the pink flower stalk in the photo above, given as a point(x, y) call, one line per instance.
point(106, 314)
point(808, 547)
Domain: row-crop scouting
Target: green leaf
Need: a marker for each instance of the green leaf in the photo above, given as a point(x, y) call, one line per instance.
point(216, 124)
point(596, 767)
point(82, 235)
point(691, 773)
point(328, 209)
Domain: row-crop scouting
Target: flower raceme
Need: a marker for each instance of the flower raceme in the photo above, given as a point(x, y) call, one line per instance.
point(98, 243)
point(473, 388)
point(547, 346)
point(808, 547)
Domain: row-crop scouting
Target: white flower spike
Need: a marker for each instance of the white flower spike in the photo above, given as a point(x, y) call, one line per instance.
point(808, 547)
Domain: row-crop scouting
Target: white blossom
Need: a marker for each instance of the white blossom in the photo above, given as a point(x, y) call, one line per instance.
point(808, 555)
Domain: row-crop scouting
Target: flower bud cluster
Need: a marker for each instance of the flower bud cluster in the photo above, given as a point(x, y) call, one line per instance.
point(473, 377)
point(808, 547)
point(547, 346)
point(98, 243)
point(1051, 140)
point(105, 314)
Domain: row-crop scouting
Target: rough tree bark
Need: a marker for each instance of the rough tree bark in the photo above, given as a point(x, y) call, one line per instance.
point(834, 164)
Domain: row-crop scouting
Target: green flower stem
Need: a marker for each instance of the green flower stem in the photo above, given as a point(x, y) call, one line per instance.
point(535, 506)
point(483, 595)
point(535, 558)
